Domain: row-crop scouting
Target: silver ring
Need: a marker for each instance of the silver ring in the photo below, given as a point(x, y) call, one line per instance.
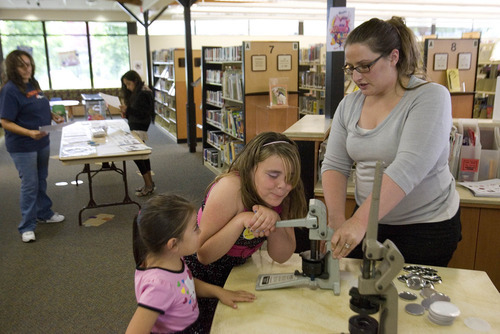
point(346, 246)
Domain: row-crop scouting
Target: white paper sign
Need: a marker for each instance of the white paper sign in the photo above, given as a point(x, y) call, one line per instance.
point(111, 100)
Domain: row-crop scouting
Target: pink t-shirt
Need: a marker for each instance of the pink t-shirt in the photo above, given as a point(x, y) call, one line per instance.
point(169, 293)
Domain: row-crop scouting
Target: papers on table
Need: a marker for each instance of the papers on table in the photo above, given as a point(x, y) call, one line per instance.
point(487, 188)
point(127, 142)
point(77, 140)
point(111, 100)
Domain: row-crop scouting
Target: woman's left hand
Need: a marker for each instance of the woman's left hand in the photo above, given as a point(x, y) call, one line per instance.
point(263, 221)
point(347, 237)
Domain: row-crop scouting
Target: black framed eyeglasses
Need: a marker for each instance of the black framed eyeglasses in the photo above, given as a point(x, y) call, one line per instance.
point(349, 69)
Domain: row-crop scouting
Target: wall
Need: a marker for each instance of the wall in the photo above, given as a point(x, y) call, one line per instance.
point(137, 43)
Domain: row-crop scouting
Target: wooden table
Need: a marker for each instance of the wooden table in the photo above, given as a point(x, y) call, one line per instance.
point(79, 147)
point(302, 310)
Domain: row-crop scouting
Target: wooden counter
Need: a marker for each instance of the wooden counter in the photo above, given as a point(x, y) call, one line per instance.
point(310, 128)
point(309, 132)
point(303, 310)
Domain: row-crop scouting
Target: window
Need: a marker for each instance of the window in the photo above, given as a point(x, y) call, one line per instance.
point(110, 53)
point(68, 55)
point(28, 36)
point(73, 64)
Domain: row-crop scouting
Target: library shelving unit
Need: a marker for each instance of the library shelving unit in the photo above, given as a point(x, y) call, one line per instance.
point(461, 55)
point(235, 94)
point(312, 65)
point(170, 91)
point(487, 72)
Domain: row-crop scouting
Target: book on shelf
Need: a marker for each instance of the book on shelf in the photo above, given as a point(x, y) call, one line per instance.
point(487, 188)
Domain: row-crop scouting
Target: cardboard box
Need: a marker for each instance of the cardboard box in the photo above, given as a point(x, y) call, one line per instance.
point(78, 110)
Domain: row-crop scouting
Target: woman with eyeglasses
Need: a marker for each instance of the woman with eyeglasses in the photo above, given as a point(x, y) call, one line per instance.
point(23, 110)
point(404, 121)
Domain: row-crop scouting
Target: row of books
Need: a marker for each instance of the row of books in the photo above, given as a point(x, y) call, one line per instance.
point(225, 155)
point(232, 121)
point(312, 54)
point(166, 86)
point(231, 53)
point(232, 84)
point(228, 119)
point(214, 116)
point(312, 79)
point(214, 97)
point(213, 76)
point(163, 55)
point(165, 72)
point(230, 150)
point(167, 113)
point(310, 105)
point(213, 157)
point(217, 138)
point(166, 99)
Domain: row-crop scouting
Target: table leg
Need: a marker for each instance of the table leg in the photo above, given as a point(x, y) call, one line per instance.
point(92, 204)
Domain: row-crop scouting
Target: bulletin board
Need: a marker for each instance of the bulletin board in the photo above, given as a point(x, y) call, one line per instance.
point(265, 60)
point(446, 54)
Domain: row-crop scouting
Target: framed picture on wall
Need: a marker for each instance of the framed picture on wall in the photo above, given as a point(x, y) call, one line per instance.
point(284, 62)
point(464, 60)
point(440, 61)
point(259, 63)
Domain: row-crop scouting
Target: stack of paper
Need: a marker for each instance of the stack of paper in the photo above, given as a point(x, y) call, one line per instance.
point(487, 188)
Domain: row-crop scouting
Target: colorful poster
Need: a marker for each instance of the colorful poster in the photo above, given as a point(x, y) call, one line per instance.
point(69, 58)
point(340, 23)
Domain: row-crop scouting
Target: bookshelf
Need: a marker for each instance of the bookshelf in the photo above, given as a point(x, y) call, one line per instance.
point(170, 91)
point(223, 105)
point(312, 80)
point(487, 72)
point(235, 96)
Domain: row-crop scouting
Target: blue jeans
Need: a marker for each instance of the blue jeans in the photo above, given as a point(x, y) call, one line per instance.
point(33, 168)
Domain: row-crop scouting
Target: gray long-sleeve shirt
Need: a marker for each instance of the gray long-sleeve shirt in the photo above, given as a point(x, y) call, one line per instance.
point(413, 143)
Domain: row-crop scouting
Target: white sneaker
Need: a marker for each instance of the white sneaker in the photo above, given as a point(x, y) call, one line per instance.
point(56, 218)
point(28, 236)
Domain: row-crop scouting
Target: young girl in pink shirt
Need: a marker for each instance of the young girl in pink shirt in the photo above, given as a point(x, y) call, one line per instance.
point(164, 232)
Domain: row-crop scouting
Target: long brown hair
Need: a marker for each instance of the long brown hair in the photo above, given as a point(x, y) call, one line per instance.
point(127, 95)
point(12, 62)
point(260, 148)
point(384, 36)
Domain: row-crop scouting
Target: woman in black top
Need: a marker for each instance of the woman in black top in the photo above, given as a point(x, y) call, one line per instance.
point(138, 110)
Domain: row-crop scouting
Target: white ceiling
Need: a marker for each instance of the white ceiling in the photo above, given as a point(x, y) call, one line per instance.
point(281, 9)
